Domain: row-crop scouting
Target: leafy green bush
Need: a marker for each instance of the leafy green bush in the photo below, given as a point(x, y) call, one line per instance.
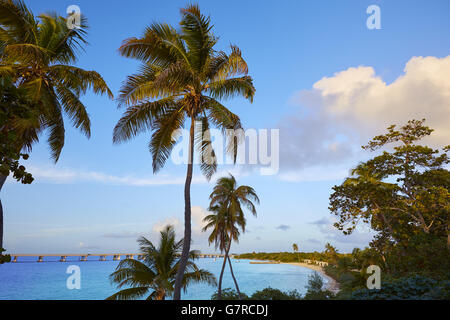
point(229, 294)
point(315, 289)
point(265, 294)
point(411, 288)
point(275, 294)
point(4, 258)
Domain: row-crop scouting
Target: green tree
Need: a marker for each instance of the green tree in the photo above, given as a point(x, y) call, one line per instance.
point(182, 77)
point(228, 217)
point(37, 54)
point(155, 275)
point(314, 288)
point(402, 193)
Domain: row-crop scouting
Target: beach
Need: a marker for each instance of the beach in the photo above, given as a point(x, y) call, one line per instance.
point(332, 285)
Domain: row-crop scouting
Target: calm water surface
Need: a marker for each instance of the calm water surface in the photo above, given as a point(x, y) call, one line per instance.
point(28, 279)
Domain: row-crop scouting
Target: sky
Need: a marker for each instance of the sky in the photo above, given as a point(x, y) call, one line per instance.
point(325, 80)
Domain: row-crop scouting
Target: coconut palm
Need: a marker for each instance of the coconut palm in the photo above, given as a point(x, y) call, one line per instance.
point(182, 77)
point(154, 277)
point(227, 218)
point(38, 53)
point(295, 248)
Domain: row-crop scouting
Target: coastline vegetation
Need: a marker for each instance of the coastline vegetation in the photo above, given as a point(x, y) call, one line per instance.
point(402, 193)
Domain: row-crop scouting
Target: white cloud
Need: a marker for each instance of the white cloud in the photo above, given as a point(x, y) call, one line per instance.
point(67, 175)
point(160, 225)
point(59, 175)
point(360, 237)
point(342, 112)
point(198, 214)
point(197, 224)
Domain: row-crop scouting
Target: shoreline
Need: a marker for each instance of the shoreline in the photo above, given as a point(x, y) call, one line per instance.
point(332, 285)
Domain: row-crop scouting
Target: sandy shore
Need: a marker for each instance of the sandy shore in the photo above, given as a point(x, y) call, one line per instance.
point(332, 285)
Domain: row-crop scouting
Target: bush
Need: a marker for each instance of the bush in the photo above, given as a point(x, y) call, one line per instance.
point(4, 258)
point(411, 288)
point(229, 294)
point(265, 294)
point(275, 294)
point(314, 289)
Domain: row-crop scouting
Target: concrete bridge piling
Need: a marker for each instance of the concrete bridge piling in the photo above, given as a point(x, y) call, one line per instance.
point(101, 256)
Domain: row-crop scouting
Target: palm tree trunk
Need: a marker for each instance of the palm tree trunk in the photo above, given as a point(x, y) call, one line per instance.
point(219, 289)
point(234, 279)
point(2, 181)
point(187, 216)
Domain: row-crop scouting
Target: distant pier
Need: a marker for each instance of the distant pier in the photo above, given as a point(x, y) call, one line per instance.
point(100, 256)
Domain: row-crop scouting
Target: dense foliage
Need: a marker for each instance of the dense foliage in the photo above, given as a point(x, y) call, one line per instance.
point(409, 288)
point(286, 256)
point(404, 195)
point(314, 292)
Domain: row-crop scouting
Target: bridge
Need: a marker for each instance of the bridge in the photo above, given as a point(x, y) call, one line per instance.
point(101, 256)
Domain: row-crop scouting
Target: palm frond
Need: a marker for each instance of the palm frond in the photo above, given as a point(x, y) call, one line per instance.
point(139, 118)
point(229, 88)
point(197, 34)
point(165, 136)
point(208, 159)
point(129, 294)
point(74, 109)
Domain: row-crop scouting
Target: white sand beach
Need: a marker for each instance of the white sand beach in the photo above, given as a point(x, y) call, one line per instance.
point(332, 284)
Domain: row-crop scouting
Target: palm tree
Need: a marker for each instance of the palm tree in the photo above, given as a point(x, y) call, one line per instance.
point(182, 77)
point(155, 275)
point(295, 248)
point(228, 217)
point(38, 53)
point(331, 253)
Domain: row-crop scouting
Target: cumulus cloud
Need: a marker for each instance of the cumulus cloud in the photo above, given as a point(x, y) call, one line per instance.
point(342, 112)
point(162, 224)
point(197, 215)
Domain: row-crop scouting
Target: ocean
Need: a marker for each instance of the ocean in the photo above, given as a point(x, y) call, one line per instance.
point(30, 280)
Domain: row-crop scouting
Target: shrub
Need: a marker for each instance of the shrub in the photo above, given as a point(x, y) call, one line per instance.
point(229, 294)
point(275, 294)
point(411, 288)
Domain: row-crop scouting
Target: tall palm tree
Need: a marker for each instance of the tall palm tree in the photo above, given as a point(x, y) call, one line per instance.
point(295, 248)
point(228, 217)
point(38, 53)
point(182, 77)
point(155, 275)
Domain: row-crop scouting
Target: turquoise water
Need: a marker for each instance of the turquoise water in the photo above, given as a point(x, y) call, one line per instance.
point(47, 280)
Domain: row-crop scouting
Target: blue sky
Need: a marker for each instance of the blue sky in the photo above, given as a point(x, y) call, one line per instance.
point(321, 76)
